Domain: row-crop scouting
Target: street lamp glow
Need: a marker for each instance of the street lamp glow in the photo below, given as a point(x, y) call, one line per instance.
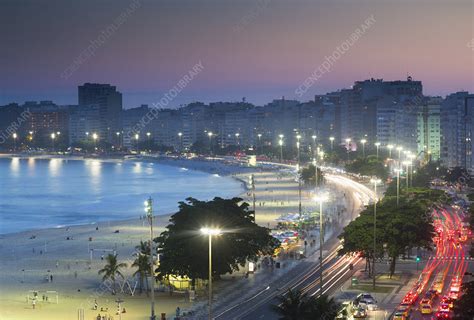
point(53, 135)
point(281, 136)
point(298, 137)
point(117, 133)
point(94, 136)
point(15, 136)
point(148, 134)
point(237, 134)
point(209, 134)
point(137, 136)
point(280, 142)
point(314, 137)
point(363, 141)
point(180, 134)
point(348, 140)
point(331, 139)
point(377, 144)
point(211, 231)
point(322, 197)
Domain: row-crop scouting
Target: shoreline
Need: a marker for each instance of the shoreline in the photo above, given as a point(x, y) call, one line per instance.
point(200, 165)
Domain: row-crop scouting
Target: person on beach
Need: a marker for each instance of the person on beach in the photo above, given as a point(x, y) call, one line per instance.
point(34, 304)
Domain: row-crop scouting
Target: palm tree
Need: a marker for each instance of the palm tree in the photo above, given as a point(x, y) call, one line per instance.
point(322, 307)
point(292, 306)
point(144, 247)
point(298, 306)
point(142, 264)
point(112, 269)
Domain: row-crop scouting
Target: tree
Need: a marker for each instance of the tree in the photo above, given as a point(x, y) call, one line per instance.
point(299, 306)
point(184, 249)
point(112, 269)
point(464, 306)
point(368, 166)
point(308, 176)
point(142, 263)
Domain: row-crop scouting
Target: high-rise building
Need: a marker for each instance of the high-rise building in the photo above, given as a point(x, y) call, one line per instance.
point(109, 101)
point(456, 123)
point(429, 128)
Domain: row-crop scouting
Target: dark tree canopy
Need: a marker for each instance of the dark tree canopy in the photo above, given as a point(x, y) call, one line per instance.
point(309, 177)
point(368, 166)
point(184, 250)
point(464, 306)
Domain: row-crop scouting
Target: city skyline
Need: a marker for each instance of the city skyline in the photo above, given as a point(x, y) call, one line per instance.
point(244, 52)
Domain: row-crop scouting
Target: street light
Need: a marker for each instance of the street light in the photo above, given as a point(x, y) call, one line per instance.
point(53, 136)
point(95, 137)
point(314, 140)
point(209, 134)
point(280, 142)
point(332, 142)
point(137, 137)
point(180, 136)
point(321, 198)
point(149, 215)
point(210, 232)
point(375, 182)
point(298, 137)
point(398, 171)
point(237, 135)
point(118, 139)
point(390, 147)
point(377, 145)
point(14, 141)
point(148, 134)
point(363, 141)
point(259, 142)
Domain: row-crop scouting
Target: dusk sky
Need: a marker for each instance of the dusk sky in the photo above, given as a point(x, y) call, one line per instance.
point(258, 49)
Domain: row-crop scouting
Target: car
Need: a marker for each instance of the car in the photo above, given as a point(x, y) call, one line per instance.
point(426, 309)
point(453, 295)
point(448, 300)
point(444, 307)
point(359, 312)
point(404, 310)
point(399, 315)
point(368, 304)
point(442, 315)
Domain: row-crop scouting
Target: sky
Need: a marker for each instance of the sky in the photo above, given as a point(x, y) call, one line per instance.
point(257, 49)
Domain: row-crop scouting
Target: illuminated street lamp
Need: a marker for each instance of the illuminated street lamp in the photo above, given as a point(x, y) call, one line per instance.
point(259, 142)
point(390, 147)
point(15, 136)
point(398, 171)
point(399, 149)
point(377, 145)
point(363, 141)
point(298, 138)
point(321, 198)
point(237, 139)
point(148, 135)
point(149, 215)
point(209, 134)
point(280, 142)
point(210, 232)
point(332, 142)
point(137, 137)
point(375, 182)
point(118, 139)
point(95, 137)
point(53, 136)
point(180, 136)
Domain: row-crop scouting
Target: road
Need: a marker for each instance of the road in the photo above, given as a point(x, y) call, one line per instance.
point(448, 264)
point(305, 276)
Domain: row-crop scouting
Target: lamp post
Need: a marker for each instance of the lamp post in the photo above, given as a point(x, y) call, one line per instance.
point(298, 137)
point(149, 214)
point(53, 136)
point(398, 170)
point(280, 142)
point(180, 136)
point(375, 182)
point(399, 149)
point(237, 138)
point(331, 139)
point(259, 142)
point(348, 146)
point(390, 147)
point(252, 185)
point(209, 134)
point(118, 139)
point(363, 141)
point(314, 140)
point(210, 232)
point(137, 137)
point(148, 134)
point(31, 137)
point(321, 198)
point(94, 137)
point(377, 145)
point(15, 136)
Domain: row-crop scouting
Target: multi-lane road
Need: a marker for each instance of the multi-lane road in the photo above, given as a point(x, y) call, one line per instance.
point(444, 270)
point(306, 275)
